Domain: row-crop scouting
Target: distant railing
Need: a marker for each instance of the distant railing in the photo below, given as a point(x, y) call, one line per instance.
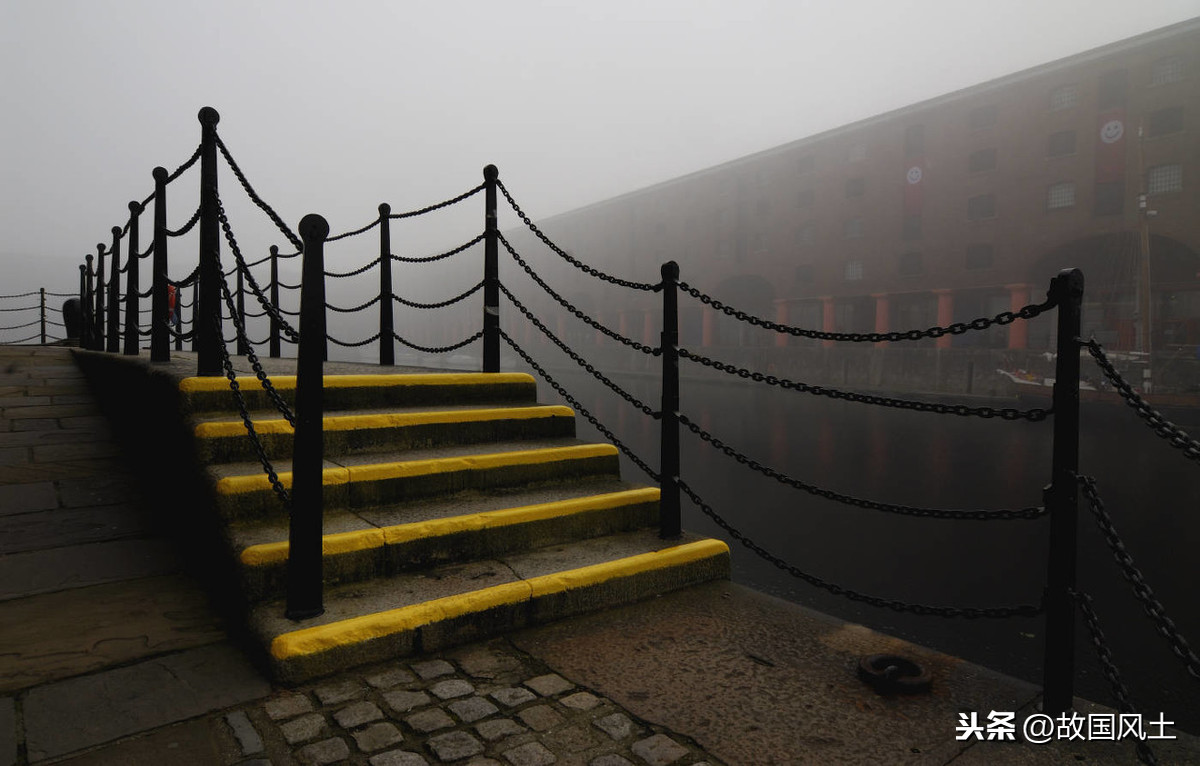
point(15, 319)
point(211, 290)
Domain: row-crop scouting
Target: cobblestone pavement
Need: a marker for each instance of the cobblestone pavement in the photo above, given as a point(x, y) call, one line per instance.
point(487, 704)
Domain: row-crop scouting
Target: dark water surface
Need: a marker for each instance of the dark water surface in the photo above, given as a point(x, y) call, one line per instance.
point(938, 461)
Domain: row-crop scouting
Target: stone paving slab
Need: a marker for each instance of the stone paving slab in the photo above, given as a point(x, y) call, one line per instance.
point(81, 712)
point(46, 571)
point(70, 526)
point(8, 731)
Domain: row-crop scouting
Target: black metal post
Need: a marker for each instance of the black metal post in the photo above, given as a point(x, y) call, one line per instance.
point(114, 294)
point(132, 283)
point(42, 291)
point(1062, 500)
point(670, 523)
point(89, 306)
point(84, 313)
point(206, 317)
point(160, 349)
point(387, 327)
point(98, 318)
point(179, 317)
point(275, 329)
point(243, 342)
point(491, 273)
point(304, 568)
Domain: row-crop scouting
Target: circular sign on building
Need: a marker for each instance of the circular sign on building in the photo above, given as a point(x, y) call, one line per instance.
point(1112, 131)
point(914, 175)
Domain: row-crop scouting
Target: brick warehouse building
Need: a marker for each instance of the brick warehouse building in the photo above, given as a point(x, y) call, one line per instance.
point(957, 207)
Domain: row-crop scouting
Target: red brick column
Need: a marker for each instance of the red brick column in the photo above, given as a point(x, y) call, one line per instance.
point(781, 317)
point(945, 315)
point(1018, 331)
point(882, 315)
point(827, 319)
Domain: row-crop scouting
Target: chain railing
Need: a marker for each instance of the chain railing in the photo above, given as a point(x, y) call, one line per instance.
point(16, 318)
point(99, 292)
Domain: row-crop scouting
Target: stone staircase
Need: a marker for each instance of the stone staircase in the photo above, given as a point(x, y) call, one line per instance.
point(456, 507)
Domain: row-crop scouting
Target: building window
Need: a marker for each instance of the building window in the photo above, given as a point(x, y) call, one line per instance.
point(805, 198)
point(981, 206)
point(1060, 195)
point(1164, 178)
point(1166, 121)
point(857, 153)
point(853, 228)
point(806, 164)
point(1110, 198)
point(805, 273)
point(1064, 97)
point(982, 117)
point(914, 140)
point(804, 235)
point(1111, 92)
point(854, 270)
point(1167, 70)
point(984, 159)
point(910, 264)
point(1061, 143)
point(912, 227)
point(979, 256)
point(855, 187)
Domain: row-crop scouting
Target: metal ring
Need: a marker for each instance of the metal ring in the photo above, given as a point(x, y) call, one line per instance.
point(893, 674)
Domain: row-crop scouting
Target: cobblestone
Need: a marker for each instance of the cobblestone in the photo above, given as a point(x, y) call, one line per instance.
point(404, 701)
point(530, 754)
point(288, 706)
point(377, 736)
point(472, 709)
point(455, 687)
point(339, 691)
point(616, 725)
point(390, 678)
point(659, 750)
point(429, 720)
point(357, 714)
point(581, 701)
point(549, 685)
point(399, 758)
point(324, 752)
point(499, 728)
point(513, 696)
point(303, 729)
point(243, 731)
point(541, 717)
point(433, 669)
point(454, 746)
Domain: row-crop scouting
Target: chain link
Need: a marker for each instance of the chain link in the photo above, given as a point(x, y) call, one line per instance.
point(189, 279)
point(957, 328)
point(638, 404)
point(575, 311)
point(1174, 435)
point(1109, 666)
point(441, 256)
point(255, 364)
point(438, 349)
point(1003, 514)
point(1005, 413)
point(22, 340)
point(180, 170)
point(438, 206)
point(354, 273)
point(344, 344)
point(22, 326)
point(186, 227)
point(263, 301)
point(354, 233)
point(339, 310)
point(24, 295)
point(629, 453)
point(1024, 610)
point(24, 308)
point(441, 304)
point(275, 219)
point(1141, 589)
point(644, 286)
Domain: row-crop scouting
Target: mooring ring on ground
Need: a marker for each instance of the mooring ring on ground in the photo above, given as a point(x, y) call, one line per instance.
point(893, 674)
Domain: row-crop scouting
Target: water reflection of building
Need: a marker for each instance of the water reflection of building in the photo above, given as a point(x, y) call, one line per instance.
point(957, 207)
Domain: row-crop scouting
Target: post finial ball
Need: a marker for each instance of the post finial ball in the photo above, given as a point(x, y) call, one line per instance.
point(208, 116)
point(491, 172)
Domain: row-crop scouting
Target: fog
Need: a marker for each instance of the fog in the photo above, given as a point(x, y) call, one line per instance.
point(336, 107)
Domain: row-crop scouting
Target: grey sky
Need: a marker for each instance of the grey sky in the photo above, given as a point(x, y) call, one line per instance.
point(334, 107)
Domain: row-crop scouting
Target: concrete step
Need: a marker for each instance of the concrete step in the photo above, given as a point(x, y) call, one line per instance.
point(350, 392)
point(356, 549)
point(366, 481)
point(225, 440)
point(413, 612)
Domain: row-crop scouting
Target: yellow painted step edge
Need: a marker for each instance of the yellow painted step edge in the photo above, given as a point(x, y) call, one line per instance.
point(320, 638)
point(267, 554)
point(223, 429)
point(236, 485)
point(288, 382)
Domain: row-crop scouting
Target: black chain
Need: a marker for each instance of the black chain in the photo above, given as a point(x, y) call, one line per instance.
point(149, 251)
point(283, 227)
point(259, 262)
point(22, 295)
point(22, 326)
point(23, 340)
point(440, 256)
point(340, 310)
point(438, 349)
point(645, 286)
point(186, 227)
point(263, 301)
point(637, 403)
point(653, 351)
point(180, 170)
point(1003, 514)
point(1111, 671)
point(1023, 610)
point(286, 286)
point(654, 475)
point(1005, 413)
point(255, 364)
point(180, 335)
point(957, 328)
point(343, 344)
point(1175, 436)
point(354, 233)
point(440, 304)
point(440, 205)
point(1141, 589)
point(190, 278)
point(60, 295)
point(23, 308)
point(356, 272)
